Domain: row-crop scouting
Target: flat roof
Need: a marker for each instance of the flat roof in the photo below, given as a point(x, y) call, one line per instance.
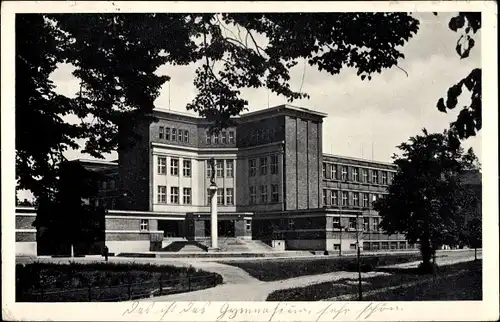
point(358, 159)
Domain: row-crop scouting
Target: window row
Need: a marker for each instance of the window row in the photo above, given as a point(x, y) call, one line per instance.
point(355, 174)
point(108, 184)
point(349, 198)
point(174, 166)
point(223, 168)
point(262, 195)
point(166, 133)
point(174, 195)
point(224, 196)
point(223, 137)
point(368, 224)
point(379, 245)
point(263, 165)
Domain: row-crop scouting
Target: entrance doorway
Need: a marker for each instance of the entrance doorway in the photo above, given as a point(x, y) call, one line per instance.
point(171, 228)
point(225, 228)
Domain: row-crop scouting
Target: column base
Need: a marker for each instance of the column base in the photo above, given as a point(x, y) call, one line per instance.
point(213, 250)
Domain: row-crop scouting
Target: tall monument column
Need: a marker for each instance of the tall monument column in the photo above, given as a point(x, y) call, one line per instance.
point(213, 208)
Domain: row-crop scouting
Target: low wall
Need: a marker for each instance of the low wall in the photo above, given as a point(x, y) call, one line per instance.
point(128, 246)
point(305, 244)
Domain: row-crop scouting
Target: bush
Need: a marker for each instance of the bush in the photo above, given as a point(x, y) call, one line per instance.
point(427, 268)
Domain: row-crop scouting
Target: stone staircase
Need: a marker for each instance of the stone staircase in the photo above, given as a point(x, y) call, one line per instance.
point(235, 245)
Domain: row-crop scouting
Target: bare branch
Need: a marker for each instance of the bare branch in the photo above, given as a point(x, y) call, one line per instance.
point(402, 70)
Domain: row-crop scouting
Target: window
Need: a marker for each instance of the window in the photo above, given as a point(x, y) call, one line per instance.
point(402, 245)
point(174, 134)
point(104, 185)
point(291, 224)
point(274, 164)
point(220, 196)
point(263, 194)
point(229, 168)
point(374, 198)
point(162, 165)
point(253, 195)
point(180, 135)
point(391, 177)
point(174, 195)
point(219, 166)
point(366, 202)
point(384, 177)
point(352, 223)
point(366, 246)
point(355, 199)
point(223, 137)
point(344, 173)
point(229, 196)
point(263, 166)
point(324, 170)
point(231, 137)
point(162, 194)
point(344, 198)
point(366, 224)
point(385, 245)
point(248, 224)
point(144, 225)
point(209, 197)
point(375, 246)
point(112, 184)
point(161, 132)
point(336, 246)
point(216, 138)
point(253, 167)
point(375, 224)
point(365, 175)
point(334, 198)
point(355, 174)
point(374, 176)
point(174, 167)
point(394, 245)
point(167, 134)
point(208, 138)
point(186, 168)
point(324, 197)
point(113, 203)
point(186, 136)
point(186, 196)
point(352, 246)
point(333, 171)
point(336, 223)
point(274, 193)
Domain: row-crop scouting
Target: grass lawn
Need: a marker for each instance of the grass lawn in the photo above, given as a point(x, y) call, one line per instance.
point(79, 282)
point(280, 269)
point(466, 285)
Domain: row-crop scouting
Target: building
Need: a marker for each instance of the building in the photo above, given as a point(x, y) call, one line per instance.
point(275, 185)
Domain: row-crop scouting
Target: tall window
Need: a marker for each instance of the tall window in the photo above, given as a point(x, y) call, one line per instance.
point(365, 175)
point(391, 177)
point(112, 184)
point(174, 134)
point(324, 197)
point(355, 174)
point(186, 196)
point(263, 194)
point(384, 177)
point(162, 165)
point(209, 169)
point(355, 199)
point(220, 196)
point(336, 222)
point(352, 223)
point(366, 201)
point(208, 138)
point(174, 195)
point(344, 198)
point(374, 198)
point(161, 132)
point(274, 193)
point(104, 185)
point(216, 138)
point(229, 196)
point(186, 136)
point(333, 171)
point(334, 198)
point(253, 167)
point(274, 164)
point(263, 166)
point(291, 223)
point(374, 176)
point(223, 137)
point(229, 168)
point(253, 195)
point(209, 197)
point(324, 170)
point(231, 137)
point(167, 134)
point(162, 194)
point(220, 168)
point(344, 173)
point(144, 225)
point(186, 168)
point(376, 222)
point(180, 135)
point(174, 167)
point(366, 224)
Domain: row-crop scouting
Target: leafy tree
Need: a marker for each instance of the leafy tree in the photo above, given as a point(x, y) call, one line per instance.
point(424, 200)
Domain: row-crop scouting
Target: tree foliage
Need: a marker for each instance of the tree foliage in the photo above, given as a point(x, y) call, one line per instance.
point(425, 200)
point(116, 56)
point(469, 121)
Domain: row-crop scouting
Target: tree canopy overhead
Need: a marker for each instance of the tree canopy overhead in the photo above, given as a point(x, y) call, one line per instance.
point(116, 56)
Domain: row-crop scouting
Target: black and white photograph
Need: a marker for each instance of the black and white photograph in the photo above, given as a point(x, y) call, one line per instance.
point(250, 161)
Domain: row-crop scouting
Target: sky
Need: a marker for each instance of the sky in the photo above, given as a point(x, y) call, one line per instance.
point(366, 119)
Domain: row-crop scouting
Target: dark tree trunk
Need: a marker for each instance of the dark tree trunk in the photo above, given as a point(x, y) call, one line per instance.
point(427, 254)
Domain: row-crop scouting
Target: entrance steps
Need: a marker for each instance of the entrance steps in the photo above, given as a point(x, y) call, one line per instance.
point(238, 245)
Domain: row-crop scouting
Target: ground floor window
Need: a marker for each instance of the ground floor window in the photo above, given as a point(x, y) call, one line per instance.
point(385, 245)
point(336, 246)
point(402, 245)
point(249, 224)
point(352, 246)
point(144, 225)
point(394, 245)
point(375, 246)
point(366, 246)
